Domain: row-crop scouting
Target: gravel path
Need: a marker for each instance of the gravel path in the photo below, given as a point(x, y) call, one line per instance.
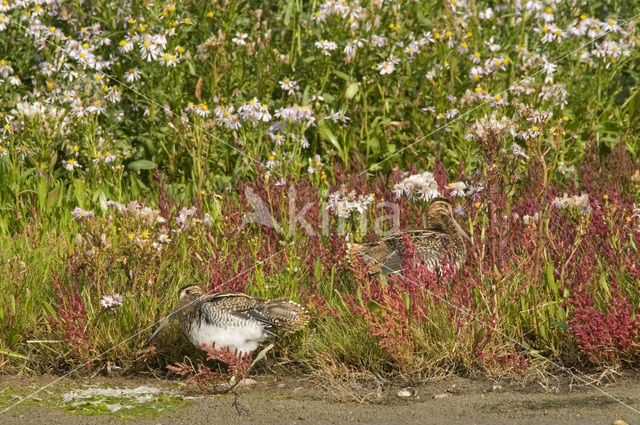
point(271, 400)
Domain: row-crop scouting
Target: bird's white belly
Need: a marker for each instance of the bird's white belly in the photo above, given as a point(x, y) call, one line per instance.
point(243, 338)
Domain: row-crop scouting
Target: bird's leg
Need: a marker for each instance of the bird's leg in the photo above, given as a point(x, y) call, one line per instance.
point(261, 355)
point(234, 381)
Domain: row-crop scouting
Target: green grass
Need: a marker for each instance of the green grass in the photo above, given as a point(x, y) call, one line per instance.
point(135, 150)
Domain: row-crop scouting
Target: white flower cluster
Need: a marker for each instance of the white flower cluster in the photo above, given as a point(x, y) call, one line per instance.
point(345, 205)
point(147, 215)
point(315, 164)
point(417, 187)
point(610, 51)
point(337, 116)
point(581, 203)
point(111, 301)
point(388, 66)
point(254, 112)
point(564, 169)
point(527, 219)
point(516, 150)
point(188, 219)
point(489, 127)
point(457, 189)
point(78, 213)
point(290, 86)
point(38, 110)
point(326, 47)
point(226, 117)
point(296, 113)
point(351, 11)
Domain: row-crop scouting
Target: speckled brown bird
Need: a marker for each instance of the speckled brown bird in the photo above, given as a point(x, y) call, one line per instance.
point(441, 236)
point(232, 320)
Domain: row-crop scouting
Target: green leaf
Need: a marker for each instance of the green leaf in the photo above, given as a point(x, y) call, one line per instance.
point(550, 279)
point(317, 270)
point(141, 164)
point(53, 197)
point(327, 134)
point(49, 309)
point(12, 354)
point(102, 201)
point(341, 75)
point(373, 307)
point(407, 301)
point(561, 325)
point(351, 90)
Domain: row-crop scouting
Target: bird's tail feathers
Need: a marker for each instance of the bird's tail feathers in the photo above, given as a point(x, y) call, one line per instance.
point(286, 315)
point(354, 254)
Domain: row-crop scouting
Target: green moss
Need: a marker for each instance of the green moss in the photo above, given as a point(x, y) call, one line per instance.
point(96, 401)
point(126, 407)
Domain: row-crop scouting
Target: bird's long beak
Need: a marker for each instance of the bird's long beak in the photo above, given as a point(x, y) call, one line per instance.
point(162, 325)
point(461, 231)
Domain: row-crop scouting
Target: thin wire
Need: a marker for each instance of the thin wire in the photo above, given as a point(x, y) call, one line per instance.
point(494, 329)
point(143, 96)
point(132, 336)
point(489, 100)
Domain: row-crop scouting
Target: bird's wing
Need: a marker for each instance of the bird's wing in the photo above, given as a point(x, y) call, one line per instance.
point(233, 301)
point(283, 314)
point(231, 314)
point(428, 244)
point(431, 247)
point(234, 309)
point(373, 254)
point(273, 314)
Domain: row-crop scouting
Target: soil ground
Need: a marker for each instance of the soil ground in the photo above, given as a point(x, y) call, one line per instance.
point(268, 399)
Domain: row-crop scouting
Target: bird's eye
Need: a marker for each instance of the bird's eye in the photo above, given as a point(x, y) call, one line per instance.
point(188, 291)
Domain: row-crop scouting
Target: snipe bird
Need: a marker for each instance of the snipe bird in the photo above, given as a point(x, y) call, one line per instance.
point(232, 320)
point(441, 236)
